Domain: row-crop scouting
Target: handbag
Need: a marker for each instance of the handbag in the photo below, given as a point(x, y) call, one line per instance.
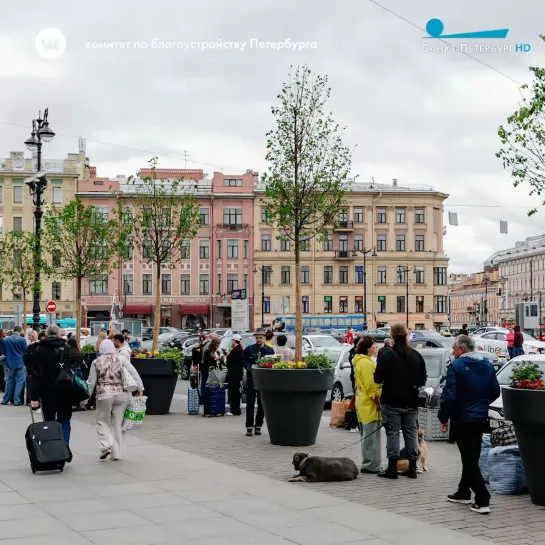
point(69, 384)
point(504, 436)
point(129, 384)
point(216, 376)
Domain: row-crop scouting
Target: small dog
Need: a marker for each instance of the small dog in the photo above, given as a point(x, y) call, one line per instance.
point(314, 469)
point(403, 463)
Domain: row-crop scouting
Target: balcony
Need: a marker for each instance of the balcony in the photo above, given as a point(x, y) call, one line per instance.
point(232, 226)
point(344, 254)
point(344, 226)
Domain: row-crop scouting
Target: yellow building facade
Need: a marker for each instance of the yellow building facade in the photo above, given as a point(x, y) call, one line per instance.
point(400, 228)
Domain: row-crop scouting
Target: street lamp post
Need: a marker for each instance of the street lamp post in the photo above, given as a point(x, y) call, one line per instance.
point(486, 281)
point(364, 252)
point(37, 185)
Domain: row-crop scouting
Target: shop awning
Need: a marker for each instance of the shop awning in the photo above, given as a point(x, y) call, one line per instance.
point(136, 309)
point(194, 309)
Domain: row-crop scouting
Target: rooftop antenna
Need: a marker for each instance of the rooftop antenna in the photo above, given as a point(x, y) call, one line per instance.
point(372, 181)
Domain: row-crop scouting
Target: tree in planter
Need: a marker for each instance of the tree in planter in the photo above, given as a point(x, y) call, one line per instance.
point(81, 239)
point(17, 264)
point(165, 216)
point(308, 171)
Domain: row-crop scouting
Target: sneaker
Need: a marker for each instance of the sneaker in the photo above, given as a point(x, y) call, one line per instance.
point(458, 498)
point(354, 430)
point(481, 510)
point(257, 431)
point(365, 470)
point(105, 454)
point(388, 473)
point(229, 414)
point(249, 432)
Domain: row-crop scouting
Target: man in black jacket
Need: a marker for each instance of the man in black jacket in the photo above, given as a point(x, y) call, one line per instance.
point(464, 330)
point(401, 371)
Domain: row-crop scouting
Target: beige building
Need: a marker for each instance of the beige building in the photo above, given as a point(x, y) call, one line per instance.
point(402, 226)
point(17, 213)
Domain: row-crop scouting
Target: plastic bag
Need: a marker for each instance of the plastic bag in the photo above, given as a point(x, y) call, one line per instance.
point(506, 471)
point(134, 413)
point(338, 411)
point(483, 460)
point(217, 377)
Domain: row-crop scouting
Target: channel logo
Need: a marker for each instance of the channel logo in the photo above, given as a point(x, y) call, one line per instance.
point(435, 27)
point(50, 43)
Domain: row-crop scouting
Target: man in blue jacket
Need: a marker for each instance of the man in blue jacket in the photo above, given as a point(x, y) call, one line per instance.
point(14, 348)
point(471, 386)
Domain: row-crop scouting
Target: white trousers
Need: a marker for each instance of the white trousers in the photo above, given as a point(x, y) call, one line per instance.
point(110, 412)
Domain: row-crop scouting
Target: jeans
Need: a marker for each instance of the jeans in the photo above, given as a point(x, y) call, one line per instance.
point(510, 350)
point(517, 351)
point(15, 380)
point(371, 446)
point(56, 408)
point(251, 396)
point(469, 436)
point(405, 420)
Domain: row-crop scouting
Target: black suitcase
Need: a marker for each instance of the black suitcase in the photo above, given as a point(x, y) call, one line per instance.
point(46, 447)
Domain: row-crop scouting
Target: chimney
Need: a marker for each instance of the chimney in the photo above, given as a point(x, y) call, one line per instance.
point(394, 182)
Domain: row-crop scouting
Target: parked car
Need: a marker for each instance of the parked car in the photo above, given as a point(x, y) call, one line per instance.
point(378, 334)
point(494, 341)
point(437, 361)
point(220, 331)
point(416, 333)
point(147, 332)
point(342, 385)
point(322, 344)
point(163, 340)
point(89, 339)
point(486, 329)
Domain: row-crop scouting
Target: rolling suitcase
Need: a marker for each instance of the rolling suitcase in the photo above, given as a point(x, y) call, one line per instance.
point(193, 401)
point(46, 447)
point(214, 400)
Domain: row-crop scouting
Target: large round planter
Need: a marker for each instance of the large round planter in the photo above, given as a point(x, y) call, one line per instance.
point(526, 409)
point(160, 378)
point(293, 402)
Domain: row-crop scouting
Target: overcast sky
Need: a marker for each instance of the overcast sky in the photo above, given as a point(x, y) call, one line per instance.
point(424, 118)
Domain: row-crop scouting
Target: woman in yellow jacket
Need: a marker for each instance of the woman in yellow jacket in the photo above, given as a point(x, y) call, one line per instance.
point(368, 404)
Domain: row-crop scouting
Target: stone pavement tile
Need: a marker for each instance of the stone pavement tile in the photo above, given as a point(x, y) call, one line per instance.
point(13, 454)
point(176, 513)
point(287, 518)
point(25, 511)
point(4, 487)
point(109, 478)
point(261, 538)
point(85, 522)
point(35, 483)
point(324, 533)
point(124, 489)
point(56, 494)
point(88, 506)
point(43, 525)
point(159, 472)
point(429, 537)
point(133, 535)
point(374, 541)
point(12, 498)
point(297, 496)
point(143, 501)
point(215, 527)
point(67, 537)
point(246, 506)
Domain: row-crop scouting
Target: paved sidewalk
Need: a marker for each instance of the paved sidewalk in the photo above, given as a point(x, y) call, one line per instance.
point(165, 496)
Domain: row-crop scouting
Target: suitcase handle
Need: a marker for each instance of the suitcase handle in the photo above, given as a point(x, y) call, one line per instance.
point(32, 415)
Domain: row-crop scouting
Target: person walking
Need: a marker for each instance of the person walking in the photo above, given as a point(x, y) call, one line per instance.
point(368, 404)
point(285, 352)
point(464, 330)
point(122, 348)
point(14, 349)
point(401, 371)
point(107, 376)
point(254, 421)
point(348, 336)
point(470, 387)
point(235, 374)
point(518, 341)
point(32, 345)
point(45, 366)
point(510, 338)
point(2, 360)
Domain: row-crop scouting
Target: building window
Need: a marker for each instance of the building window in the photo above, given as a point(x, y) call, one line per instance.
point(419, 243)
point(1, 225)
point(328, 243)
point(304, 244)
point(17, 194)
point(56, 195)
point(56, 258)
point(266, 275)
point(358, 303)
point(285, 245)
point(99, 285)
point(381, 303)
point(343, 304)
point(358, 242)
point(305, 304)
point(419, 274)
point(232, 182)
point(232, 216)
point(220, 244)
point(232, 283)
point(400, 215)
point(328, 274)
point(103, 210)
point(204, 284)
point(166, 284)
point(381, 242)
point(358, 215)
point(17, 224)
point(419, 215)
point(204, 248)
point(328, 304)
point(381, 215)
point(127, 249)
point(401, 275)
point(245, 246)
point(440, 304)
point(343, 276)
point(285, 304)
point(343, 243)
point(1, 193)
point(147, 284)
point(440, 276)
point(381, 274)
point(128, 284)
point(285, 274)
point(419, 303)
point(265, 243)
point(185, 252)
point(204, 216)
point(56, 291)
point(185, 284)
point(263, 214)
point(232, 249)
point(305, 274)
point(358, 274)
point(220, 285)
point(343, 216)
point(266, 305)
point(246, 282)
point(400, 243)
point(400, 303)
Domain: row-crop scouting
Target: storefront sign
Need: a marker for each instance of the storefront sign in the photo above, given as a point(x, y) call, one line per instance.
point(137, 300)
point(169, 301)
point(240, 315)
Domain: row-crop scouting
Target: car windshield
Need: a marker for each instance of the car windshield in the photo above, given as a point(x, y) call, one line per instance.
point(447, 342)
point(434, 365)
point(504, 375)
point(527, 337)
point(325, 342)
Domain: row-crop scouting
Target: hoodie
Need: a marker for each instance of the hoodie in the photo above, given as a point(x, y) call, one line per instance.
point(471, 386)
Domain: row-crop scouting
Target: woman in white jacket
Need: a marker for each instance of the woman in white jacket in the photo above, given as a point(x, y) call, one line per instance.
point(107, 375)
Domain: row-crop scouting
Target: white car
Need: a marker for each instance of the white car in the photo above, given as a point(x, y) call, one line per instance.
point(488, 328)
point(492, 341)
point(323, 344)
point(495, 412)
point(342, 384)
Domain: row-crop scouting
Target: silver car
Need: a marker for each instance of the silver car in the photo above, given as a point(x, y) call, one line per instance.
point(342, 384)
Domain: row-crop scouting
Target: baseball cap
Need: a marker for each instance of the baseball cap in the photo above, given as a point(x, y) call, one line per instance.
point(237, 338)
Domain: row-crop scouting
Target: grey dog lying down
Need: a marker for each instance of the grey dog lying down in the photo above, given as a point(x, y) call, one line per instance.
point(313, 469)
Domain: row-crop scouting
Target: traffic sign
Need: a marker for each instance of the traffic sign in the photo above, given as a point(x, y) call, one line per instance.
point(51, 306)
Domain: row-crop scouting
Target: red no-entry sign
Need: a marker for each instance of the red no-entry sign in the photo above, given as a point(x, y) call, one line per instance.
point(51, 306)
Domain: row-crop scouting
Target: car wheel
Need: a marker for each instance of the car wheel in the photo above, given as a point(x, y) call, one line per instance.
point(337, 393)
point(184, 373)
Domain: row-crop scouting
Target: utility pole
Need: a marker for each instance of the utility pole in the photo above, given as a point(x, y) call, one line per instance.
point(486, 281)
point(531, 279)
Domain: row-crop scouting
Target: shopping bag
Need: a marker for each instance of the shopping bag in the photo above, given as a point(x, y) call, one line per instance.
point(216, 377)
point(504, 436)
point(338, 411)
point(134, 413)
point(506, 470)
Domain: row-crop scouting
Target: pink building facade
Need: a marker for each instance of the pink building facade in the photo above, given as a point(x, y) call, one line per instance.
point(196, 290)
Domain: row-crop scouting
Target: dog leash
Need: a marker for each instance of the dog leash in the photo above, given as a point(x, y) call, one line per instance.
point(359, 440)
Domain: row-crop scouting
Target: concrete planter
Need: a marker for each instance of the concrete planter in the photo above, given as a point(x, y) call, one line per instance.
point(159, 377)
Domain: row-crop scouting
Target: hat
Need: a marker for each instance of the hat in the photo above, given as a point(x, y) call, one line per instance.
point(260, 331)
point(237, 338)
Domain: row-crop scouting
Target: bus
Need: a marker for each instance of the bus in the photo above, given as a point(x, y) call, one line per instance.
point(333, 321)
point(7, 321)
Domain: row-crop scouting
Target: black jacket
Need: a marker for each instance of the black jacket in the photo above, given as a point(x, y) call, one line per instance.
point(43, 365)
point(463, 332)
point(381, 351)
point(235, 366)
point(401, 372)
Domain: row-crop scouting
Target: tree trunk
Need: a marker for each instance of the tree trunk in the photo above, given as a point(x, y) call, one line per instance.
point(78, 309)
point(298, 309)
point(157, 314)
point(24, 311)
